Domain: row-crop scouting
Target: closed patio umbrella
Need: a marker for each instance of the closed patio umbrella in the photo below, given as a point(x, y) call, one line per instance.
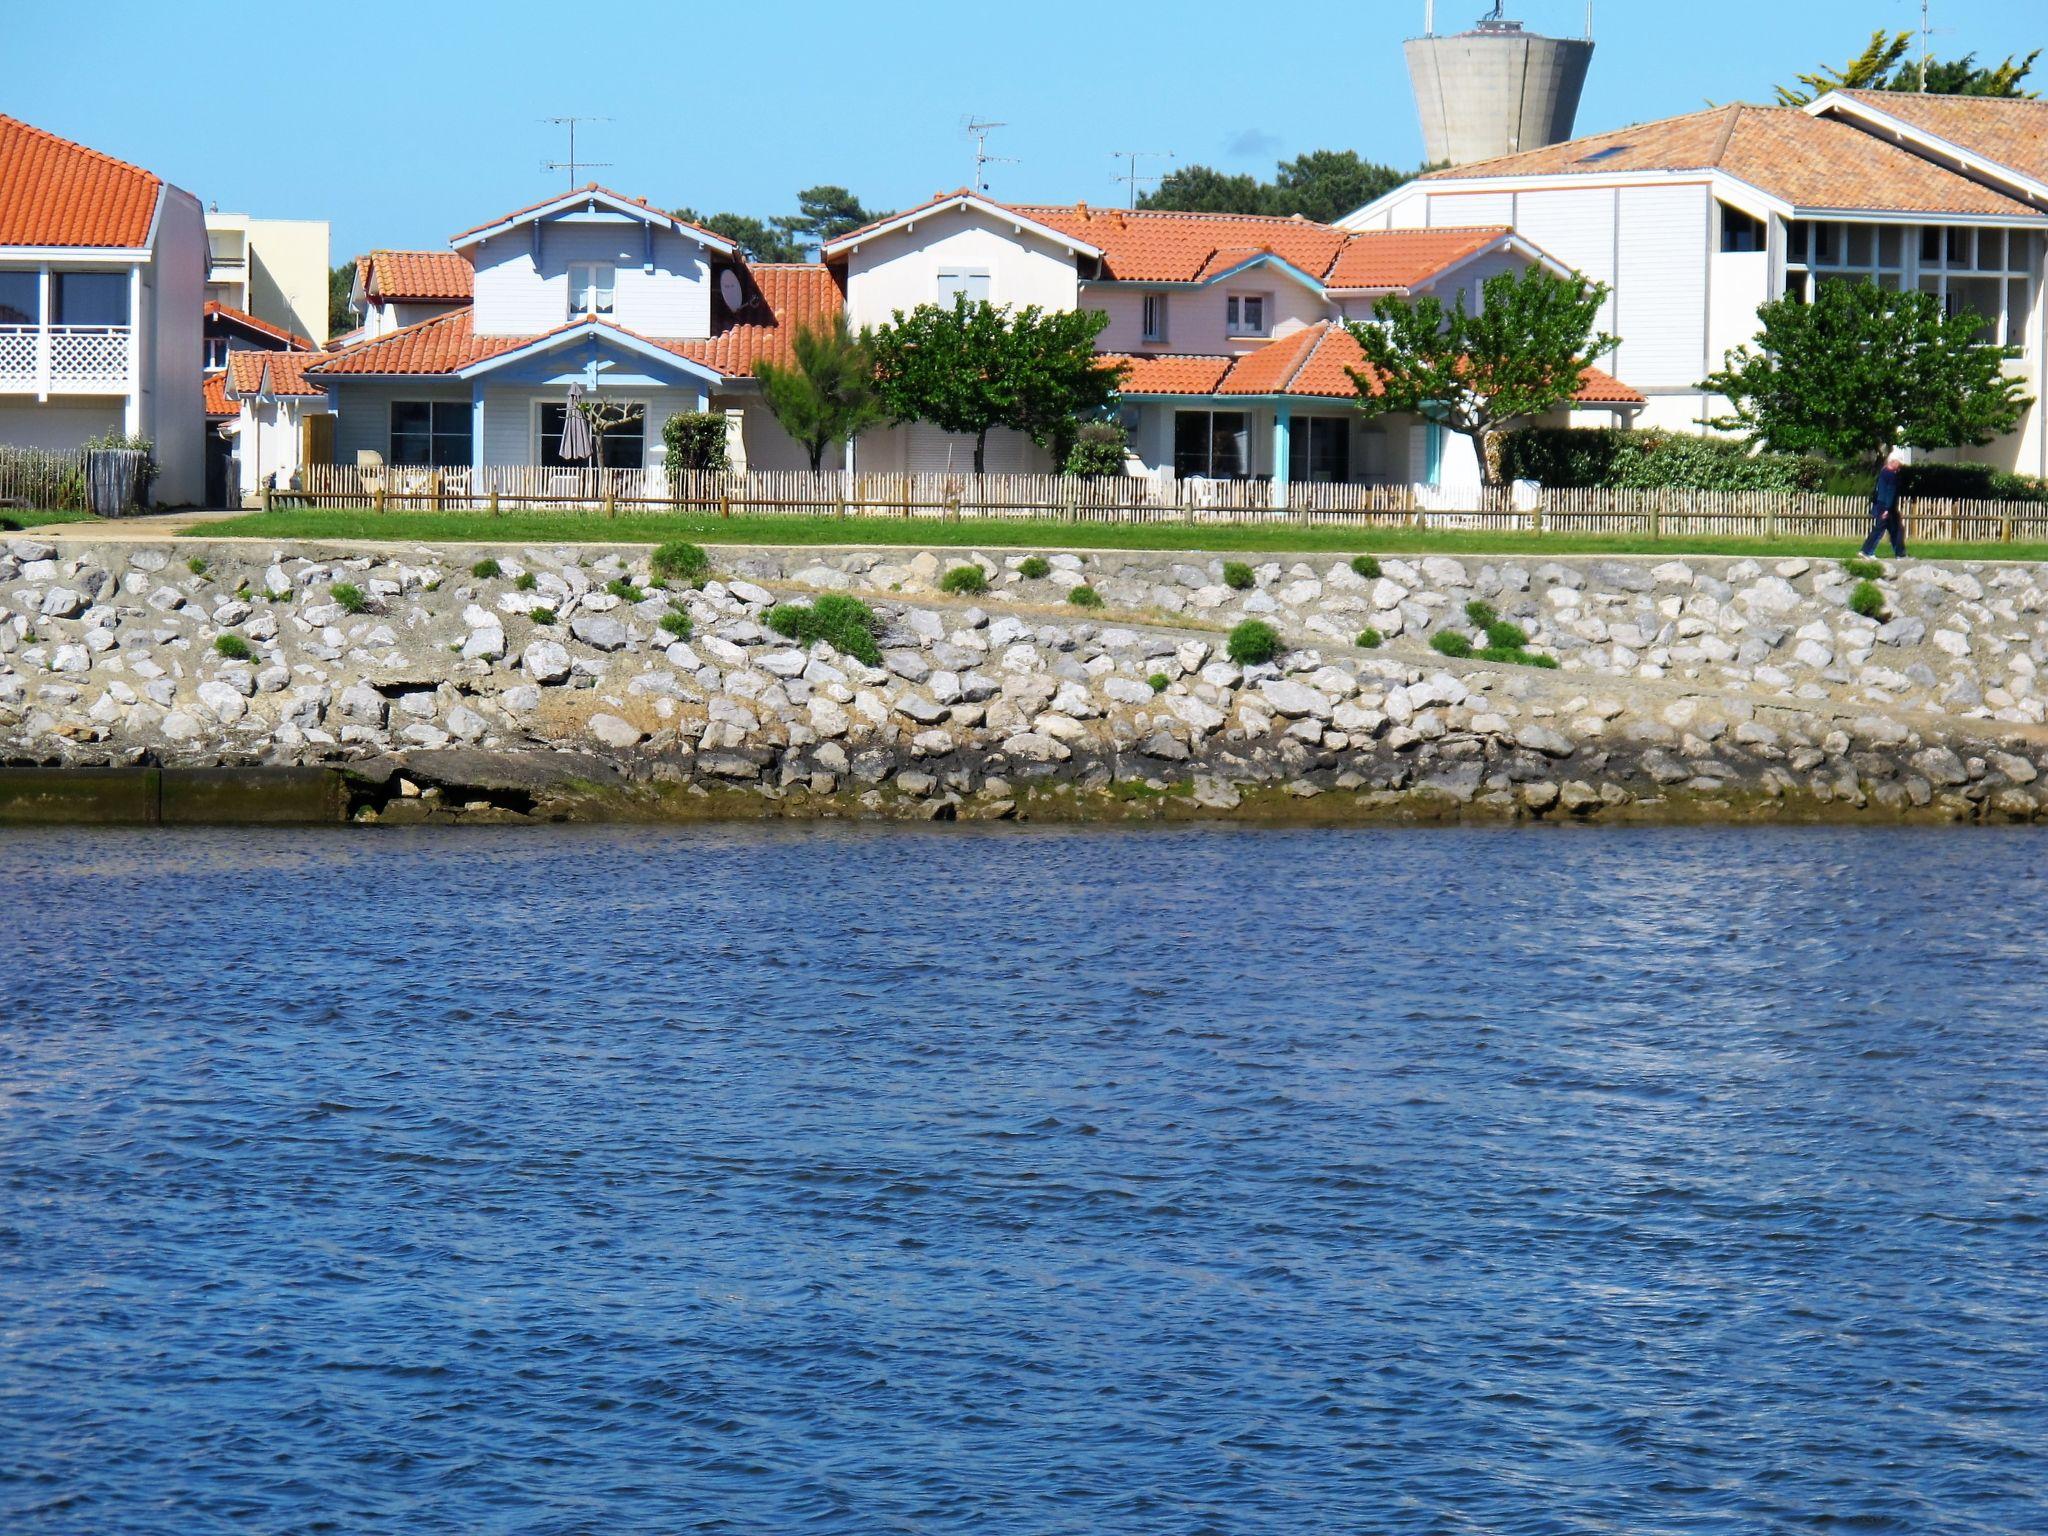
point(576, 440)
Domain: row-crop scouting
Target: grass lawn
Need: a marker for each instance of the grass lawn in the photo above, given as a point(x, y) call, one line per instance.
point(13, 519)
point(1276, 538)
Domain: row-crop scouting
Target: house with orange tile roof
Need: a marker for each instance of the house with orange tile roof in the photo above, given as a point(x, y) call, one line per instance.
point(466, 356)
point(228, 331)
point(102, 273)
point(1230, 329)
point(1694, 221)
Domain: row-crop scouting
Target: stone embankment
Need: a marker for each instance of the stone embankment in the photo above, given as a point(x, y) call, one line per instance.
point(1685, 688)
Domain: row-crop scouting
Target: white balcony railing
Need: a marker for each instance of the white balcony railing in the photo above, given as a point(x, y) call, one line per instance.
point(66, 359)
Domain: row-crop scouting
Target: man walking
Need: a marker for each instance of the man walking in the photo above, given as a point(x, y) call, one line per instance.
point(1884, 509)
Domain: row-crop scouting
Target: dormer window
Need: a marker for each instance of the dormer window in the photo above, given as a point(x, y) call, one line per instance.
point(1245, 314)
point(590, 288)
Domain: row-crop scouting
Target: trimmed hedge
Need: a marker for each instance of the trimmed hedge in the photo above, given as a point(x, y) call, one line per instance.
point(1569, 457)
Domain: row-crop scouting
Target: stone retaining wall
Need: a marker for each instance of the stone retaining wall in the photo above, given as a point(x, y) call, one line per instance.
point(1686, 688)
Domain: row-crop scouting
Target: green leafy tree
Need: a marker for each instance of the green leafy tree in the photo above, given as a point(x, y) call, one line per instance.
point(973, 367)
point(1887, 64)
point(1523, 354)
point(758, 240)
point(1323, 185)
point(1861, 371)
point(341, 281)
point(824, 213)
point(694, 442)
point(828, 394)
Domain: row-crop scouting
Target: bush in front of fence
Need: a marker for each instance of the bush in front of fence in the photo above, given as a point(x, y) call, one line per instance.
point(845, 623)
point(1575, 457)
point(1969, 482)
point(695, 443)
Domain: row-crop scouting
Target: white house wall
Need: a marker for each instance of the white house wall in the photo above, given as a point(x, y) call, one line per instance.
point(1197, 319)
point(514, 297)
point(57, 426)
point(766, 444)
point(900, 270)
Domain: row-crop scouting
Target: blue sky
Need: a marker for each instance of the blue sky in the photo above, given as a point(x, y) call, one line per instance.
point(734, 104)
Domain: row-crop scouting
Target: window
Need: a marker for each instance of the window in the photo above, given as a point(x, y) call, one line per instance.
point(1155, 318)
point(622, 447)
point(957, 282)
point(216, 351)
point(1245, 314)
point(20, 298)
point(433, 432)
point(1740, 232)
point(1319, 450)
point(590, 287)
point(90, 298)
point(1982, 272)
point(1215, 445)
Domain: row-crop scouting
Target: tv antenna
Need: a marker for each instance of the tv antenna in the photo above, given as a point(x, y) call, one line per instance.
point(572, 165)
point(1131, 177)
point(978, 130)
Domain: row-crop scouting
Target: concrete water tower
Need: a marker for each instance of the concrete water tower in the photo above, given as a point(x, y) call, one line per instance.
point(1495, 90)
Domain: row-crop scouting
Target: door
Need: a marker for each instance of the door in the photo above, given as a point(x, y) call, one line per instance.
point(316, 439)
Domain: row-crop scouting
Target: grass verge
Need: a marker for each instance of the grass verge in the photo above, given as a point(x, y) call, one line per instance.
point(1276, 538)
point(14, 519)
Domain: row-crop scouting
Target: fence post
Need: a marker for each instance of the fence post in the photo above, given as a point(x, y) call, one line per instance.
point(440, 501)
point(724, 502)
point(494, 501)
point(268, 493)
point(377, 500)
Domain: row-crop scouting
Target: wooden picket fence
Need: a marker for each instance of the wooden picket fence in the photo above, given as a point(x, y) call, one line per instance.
point(1644, 514)
point(35, 478)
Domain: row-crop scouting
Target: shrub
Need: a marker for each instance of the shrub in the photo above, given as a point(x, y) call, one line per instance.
point(624, 590)
point(1571, 456)
point(1970, 482)
point(1370, 639)
point(541, 615)
point(845, 623)
point(525, 581)
point(1160, 682)
point(1098, 450)
point(1505, 634)
point(350, 597)
point(1085, 597)
point(280, 597)
point(695, 444)
point(1481, 614)
point(1366, 566)
point(1253, 642)
point(680, 561)
point(1034, 567)
point(1448, 642)
point(234, 647)
point(1867, 600)
point(1858, 566)
point(1237, 576)
point(196, 566)
point(965, 579)
point(677, 623)
point(486, 568)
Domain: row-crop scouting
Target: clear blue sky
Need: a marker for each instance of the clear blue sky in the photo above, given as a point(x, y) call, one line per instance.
point(272, 109)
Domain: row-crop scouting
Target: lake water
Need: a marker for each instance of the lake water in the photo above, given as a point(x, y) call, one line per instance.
point(1020, 1181)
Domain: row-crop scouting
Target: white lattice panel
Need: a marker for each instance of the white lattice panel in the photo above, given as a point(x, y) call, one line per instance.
point(18, 355)
point(88, 355)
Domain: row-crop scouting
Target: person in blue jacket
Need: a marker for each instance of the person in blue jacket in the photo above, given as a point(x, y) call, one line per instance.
point(1884, 509)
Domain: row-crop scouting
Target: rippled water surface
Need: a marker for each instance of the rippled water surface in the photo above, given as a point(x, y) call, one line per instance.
point(829, 1180)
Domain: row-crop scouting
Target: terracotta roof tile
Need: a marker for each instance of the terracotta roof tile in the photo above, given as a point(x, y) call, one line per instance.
point(1156, 245)
point(1397, 259)
point(1271, 369)
point(2011, 131)
point(213, 393)
point(782, 299)
point(55, 192)
point(440, 345)
point(287, 373)
point(263, 327)
point(1175, 375)
point(423, 277)
point(1810, 162)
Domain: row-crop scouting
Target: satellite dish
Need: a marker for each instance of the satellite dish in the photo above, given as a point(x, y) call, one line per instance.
point(729, 289)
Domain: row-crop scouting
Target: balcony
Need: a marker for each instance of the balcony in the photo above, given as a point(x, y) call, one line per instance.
point(66, 359)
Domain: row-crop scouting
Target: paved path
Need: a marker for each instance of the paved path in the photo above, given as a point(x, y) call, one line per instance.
point(156, 526)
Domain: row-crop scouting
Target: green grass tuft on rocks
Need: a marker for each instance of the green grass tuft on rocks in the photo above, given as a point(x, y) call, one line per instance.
point(1448, 642)
point(679, 560)
point(486, 568)
point(1506, 635)
point(196, 566)
point(1159, 682)
point(1367, 566)
point(350, 596)
point(1867, 599)
point(966, 580)
point(234, 647)
point(1481, 613)
point(677, 623)
point(541, 615)
point(1253, 643)
point(1238, 576)
point(1085, 597)
point(845, 623)
point(1370, 639)
point(1034, 567)
point(1856, 565)
point(525, 581)
point(624, 590)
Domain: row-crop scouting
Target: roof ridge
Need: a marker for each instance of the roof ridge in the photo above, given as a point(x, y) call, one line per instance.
point(1727, 133)
point(83, 149)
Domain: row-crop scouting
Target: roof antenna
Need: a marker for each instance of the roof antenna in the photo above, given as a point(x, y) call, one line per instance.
point(1131, 177)
point(572, 165)
point(979, 132)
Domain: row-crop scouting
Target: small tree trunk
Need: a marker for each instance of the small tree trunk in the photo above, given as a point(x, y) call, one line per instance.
point(1479, 436)
point(981, 451)
point(817, 447)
